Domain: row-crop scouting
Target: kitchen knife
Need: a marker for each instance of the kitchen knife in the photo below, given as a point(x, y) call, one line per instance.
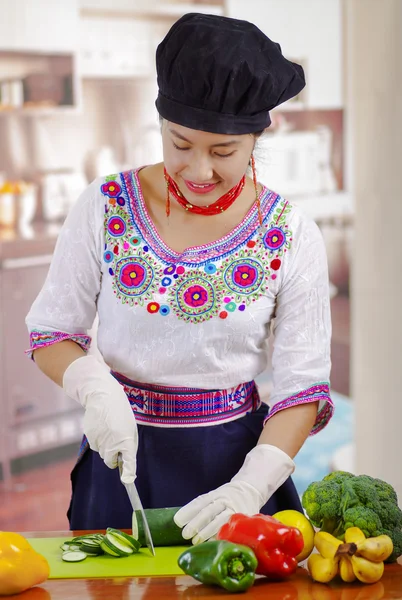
point(137, 507)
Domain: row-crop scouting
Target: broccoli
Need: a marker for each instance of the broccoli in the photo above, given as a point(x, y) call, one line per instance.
point(323, 501)
point(342, 500)
point(338, 476)
point(390, 515)
point(363, 518)
point(385, 491)
point(396, 537)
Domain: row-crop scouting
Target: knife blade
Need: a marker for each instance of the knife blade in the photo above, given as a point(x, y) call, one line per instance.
point(137, 507)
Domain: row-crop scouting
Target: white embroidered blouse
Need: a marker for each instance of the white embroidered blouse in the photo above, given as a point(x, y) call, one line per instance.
point(200, 318)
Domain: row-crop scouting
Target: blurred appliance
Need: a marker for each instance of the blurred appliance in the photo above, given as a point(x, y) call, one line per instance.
point(296, 162)
point(57, 192)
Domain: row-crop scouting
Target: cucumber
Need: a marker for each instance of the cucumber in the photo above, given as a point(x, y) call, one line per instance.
point(117, 545)
point(124, 538)
point(73, 556)
point(107, 549)
point(91, 549)
point(164, 530)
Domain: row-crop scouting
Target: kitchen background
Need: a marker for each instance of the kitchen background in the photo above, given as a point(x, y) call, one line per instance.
point(77, 91)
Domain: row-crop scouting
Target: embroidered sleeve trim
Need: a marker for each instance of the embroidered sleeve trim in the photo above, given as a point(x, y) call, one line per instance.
point(316, 393)
point(41, 339)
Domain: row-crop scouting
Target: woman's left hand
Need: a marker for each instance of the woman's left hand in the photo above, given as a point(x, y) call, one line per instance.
point(264, 470)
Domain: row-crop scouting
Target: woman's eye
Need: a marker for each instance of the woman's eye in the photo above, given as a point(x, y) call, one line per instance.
point(179, 147)
point(224, 155)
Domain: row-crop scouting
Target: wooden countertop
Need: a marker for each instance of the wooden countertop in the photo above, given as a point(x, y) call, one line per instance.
point(298, 587)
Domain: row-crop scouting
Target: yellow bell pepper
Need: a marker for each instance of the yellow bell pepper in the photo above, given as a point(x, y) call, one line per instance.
point(21, 567)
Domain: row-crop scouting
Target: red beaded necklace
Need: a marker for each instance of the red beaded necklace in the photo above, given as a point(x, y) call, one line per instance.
point(216, 208)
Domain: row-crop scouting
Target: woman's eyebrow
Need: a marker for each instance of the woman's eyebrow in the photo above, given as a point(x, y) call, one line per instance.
point(181, 137)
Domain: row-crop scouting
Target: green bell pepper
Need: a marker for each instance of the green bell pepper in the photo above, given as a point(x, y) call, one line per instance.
point(231, 566)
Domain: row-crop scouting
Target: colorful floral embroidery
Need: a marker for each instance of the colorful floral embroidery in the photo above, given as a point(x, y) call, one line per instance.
point(111, 189)
point(244, 276)
point(41, 339)
point(135, 277)
point(195, 298)
point(202, 283)
point(116, 226)
point(316, 393)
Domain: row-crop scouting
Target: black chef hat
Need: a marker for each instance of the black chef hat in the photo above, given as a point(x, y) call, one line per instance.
point(222, 75)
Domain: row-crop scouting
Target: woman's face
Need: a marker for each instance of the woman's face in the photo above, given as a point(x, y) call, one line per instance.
point(204, 165)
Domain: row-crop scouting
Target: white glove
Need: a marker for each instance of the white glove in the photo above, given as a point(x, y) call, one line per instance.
point(109, 422)
point(264, 470)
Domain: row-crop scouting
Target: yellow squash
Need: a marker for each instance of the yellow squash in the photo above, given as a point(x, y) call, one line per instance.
point(21, 567)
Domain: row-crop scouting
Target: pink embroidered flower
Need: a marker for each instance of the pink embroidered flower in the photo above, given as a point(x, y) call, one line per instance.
point(274, 238)
point(111, 189)
point(116, 226)
point(132, 275)
point(245, 275)
point(196, 296)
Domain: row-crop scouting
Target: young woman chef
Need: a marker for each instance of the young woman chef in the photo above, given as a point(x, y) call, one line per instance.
point(189, 264)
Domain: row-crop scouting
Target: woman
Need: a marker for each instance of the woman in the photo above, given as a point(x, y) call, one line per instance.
point(188, 264)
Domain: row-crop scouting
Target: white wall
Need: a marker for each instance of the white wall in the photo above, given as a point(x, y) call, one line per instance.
point(308, 30)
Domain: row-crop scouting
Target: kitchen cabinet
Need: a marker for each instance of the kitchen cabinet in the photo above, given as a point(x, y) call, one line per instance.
point(39, 25)
point(36, 415)
point(115, 47)
point(309, 32)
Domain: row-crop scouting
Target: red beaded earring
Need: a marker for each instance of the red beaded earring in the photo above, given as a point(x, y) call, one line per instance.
point(257, 195)
point(167, 197)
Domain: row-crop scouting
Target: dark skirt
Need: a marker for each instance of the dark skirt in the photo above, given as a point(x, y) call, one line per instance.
point(174, 466)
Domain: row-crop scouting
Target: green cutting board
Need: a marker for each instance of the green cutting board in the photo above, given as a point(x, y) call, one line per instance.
point(141, 564)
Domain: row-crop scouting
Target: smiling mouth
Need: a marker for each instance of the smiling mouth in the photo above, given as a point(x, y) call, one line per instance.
point(200, 188)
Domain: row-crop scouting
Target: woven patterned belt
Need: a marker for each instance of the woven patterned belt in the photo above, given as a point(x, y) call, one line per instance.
point(184, 407)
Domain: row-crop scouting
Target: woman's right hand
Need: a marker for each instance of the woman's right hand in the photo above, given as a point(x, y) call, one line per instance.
point(109, 422)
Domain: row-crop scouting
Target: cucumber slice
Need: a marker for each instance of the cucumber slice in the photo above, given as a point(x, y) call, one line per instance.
point(94, 543)
point(73, 556)
point(124, 538)
point(90, 549)
point(107, 549)
point(65, 547)
point(87, 538)
point(117, 545)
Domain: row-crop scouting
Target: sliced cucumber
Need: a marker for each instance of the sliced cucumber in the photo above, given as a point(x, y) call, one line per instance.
point(65, 547)
point(90, 549)
point(116, 543)
point(75, 556)
point(87, 538)
point(124, 538)
point(108, 549)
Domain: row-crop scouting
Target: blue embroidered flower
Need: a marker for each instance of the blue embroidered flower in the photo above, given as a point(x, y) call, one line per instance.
point(210, 269)
point(164, 310)
point(135, 240)
point(108, 256)
point(166, 281)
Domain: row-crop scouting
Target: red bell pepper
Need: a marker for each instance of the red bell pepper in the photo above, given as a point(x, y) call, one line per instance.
point(274, 544)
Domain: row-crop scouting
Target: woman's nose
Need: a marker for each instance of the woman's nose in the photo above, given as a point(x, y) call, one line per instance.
point(201, 170)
